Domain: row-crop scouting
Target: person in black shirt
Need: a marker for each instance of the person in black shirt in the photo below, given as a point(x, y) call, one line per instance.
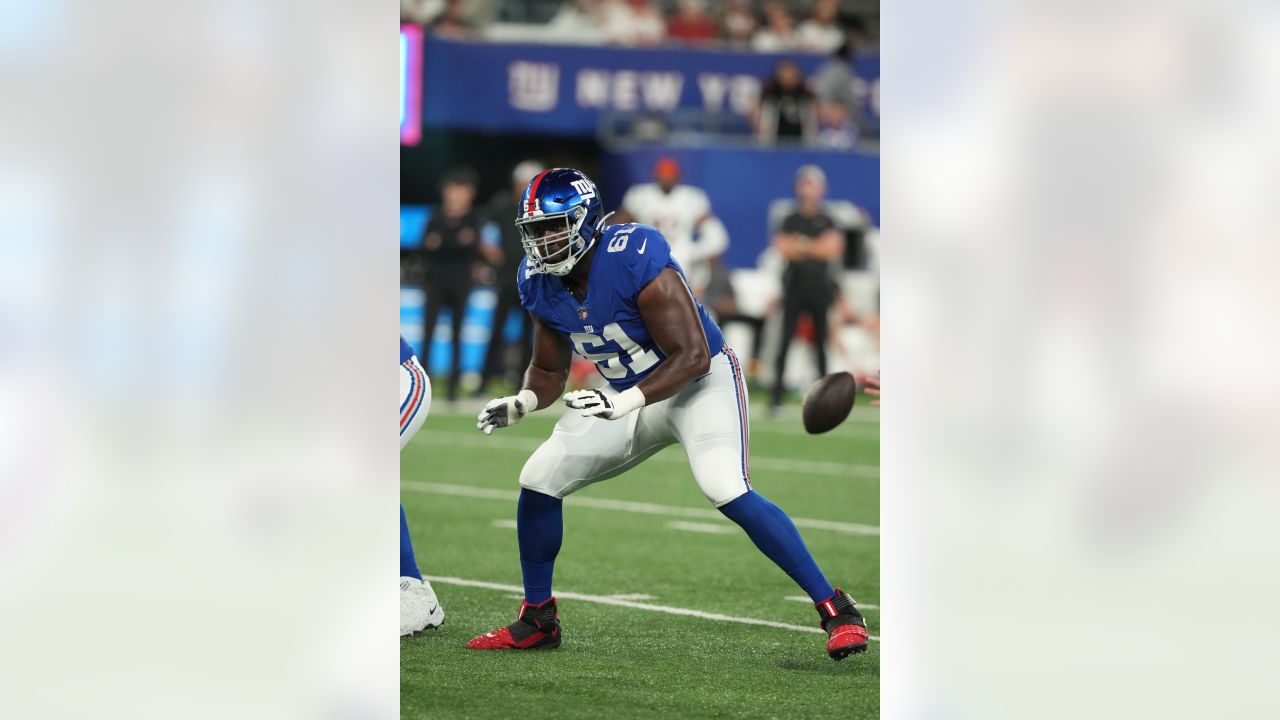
point(502, 212)
point(787, 109)
point(810, 242)
point(451, 248)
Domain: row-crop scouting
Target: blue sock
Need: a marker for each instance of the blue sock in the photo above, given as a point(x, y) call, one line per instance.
point(776, 536)
point(540, 527)
point(408, 563)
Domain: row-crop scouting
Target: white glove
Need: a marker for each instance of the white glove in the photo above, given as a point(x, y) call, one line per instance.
point(594, 403)
point(506, 411)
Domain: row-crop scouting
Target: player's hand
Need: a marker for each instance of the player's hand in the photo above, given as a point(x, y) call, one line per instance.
point(592, 403)
point(504, 411)
point(871, 386)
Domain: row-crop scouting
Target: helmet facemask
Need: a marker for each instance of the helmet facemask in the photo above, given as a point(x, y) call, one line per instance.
point(554, 242)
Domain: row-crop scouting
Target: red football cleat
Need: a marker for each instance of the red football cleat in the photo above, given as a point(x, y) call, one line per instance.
point(537, 627)
point(846, 629)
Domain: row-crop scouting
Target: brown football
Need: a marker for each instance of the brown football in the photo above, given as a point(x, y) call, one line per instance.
point(829, 401)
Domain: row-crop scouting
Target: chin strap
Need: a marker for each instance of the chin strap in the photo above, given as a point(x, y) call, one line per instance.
point(542, 266)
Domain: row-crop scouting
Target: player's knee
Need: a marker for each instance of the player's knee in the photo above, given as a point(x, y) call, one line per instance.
point(540, 471)
point(720, 468)
point(723, 484)
point(725, 492)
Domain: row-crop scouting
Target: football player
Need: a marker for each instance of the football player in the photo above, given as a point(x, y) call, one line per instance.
point(419, 608)
point(614, 295)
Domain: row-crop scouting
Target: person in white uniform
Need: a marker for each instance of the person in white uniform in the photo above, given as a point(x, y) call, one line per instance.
point(419, 607)
point(682, 213)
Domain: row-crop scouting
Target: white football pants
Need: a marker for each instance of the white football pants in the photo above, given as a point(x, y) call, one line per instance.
point(708, 417)
point(415, 399)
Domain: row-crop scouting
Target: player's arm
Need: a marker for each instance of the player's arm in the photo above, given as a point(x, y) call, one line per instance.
point(668, 312)
point(789, 242)
point(670, 315)
point(872, 386)
point(828, 246)
point(543, 382)
point(789, 245)
point(549, 367)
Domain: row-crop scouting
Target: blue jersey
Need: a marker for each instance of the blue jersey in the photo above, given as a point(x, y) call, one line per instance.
point(605, 327)
point(406, 351)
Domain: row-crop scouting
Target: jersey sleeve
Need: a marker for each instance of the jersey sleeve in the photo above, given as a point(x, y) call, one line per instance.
point(644, 256)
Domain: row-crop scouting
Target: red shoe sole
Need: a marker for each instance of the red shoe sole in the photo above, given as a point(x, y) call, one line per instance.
point(506, 642)
point(844, 652)
point(847, 640)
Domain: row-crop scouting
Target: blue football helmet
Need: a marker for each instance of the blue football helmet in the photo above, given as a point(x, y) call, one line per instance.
point(559, 218)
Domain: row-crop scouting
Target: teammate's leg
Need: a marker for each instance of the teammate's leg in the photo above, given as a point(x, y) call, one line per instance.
point(419, 608)
point(415, 399)
point(408, 563)
point(710, 421)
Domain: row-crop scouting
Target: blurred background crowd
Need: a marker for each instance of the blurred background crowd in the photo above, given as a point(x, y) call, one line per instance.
point(778, 25)
point(746, 132)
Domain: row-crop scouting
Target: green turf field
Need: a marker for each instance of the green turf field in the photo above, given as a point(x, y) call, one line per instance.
point(659, 544)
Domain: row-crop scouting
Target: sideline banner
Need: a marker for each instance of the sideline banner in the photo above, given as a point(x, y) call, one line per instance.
point(410, 84)
point(562, 90)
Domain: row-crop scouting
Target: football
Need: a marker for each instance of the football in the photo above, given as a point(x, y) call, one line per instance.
point(829, 401)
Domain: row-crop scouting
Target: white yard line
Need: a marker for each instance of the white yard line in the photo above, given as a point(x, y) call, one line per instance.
point(702, 527)
point(852, 432)
point(505, 524)
point(628, 596)
point(804, 599)
point(621, 602)
point(790, 415)
point(670, 511)
point(811, 467)
point(762, 462)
